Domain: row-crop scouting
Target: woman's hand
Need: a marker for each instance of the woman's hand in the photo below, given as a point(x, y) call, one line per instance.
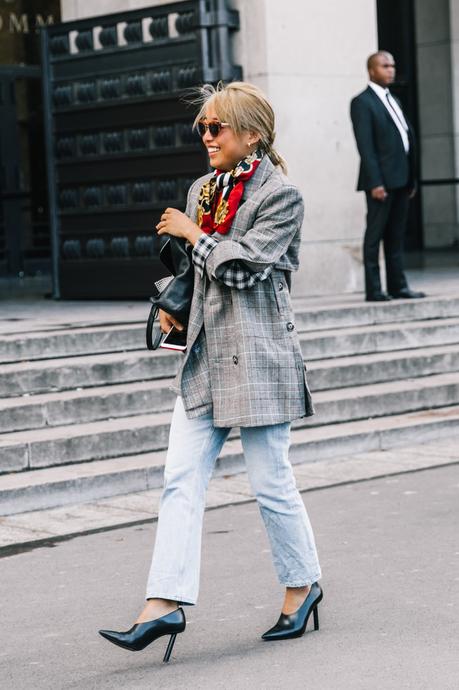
point(166, 321)
point(174, 222)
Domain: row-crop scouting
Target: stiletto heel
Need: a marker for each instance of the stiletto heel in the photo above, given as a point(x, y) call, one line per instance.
point(294, 625)
point(316, 618)
point(143, 634)
point(170, 647)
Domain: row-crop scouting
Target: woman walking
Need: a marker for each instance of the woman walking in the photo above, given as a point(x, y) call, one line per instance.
point(243, 366)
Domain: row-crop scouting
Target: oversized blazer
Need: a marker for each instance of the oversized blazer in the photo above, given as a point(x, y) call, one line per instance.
point(383, 160)
point(251, 365)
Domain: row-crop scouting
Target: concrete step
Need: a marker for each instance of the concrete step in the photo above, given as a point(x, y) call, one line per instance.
point(111, 337)
point(81, 406)
point(151, 397)
point(316, 317)
point(26, 378)
point(341, 372)
point(383, 399)
point(57, 486)
point(85, 371)
point(61, 373)
point(71, 341)
point(379, 338)
point(80, 437)
point(82, 442)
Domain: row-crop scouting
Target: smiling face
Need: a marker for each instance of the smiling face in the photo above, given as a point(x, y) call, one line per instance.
point(228, 147)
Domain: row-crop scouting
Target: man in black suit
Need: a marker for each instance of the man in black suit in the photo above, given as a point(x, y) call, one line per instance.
point(386, 145)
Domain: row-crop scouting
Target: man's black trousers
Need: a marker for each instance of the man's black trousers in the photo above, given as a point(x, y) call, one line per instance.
point(386, 222)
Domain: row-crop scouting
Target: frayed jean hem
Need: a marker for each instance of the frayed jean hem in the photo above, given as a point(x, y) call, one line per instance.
point(171, 597)
point(301, 583)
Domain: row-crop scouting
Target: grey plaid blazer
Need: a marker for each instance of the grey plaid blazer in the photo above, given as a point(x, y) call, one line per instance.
point(243, 357)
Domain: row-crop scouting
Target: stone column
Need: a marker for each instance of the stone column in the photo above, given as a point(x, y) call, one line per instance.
point(454, 36)
point(438, 78)
point(310, 59)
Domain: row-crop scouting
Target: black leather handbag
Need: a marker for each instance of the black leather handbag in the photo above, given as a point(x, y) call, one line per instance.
point(173, 293)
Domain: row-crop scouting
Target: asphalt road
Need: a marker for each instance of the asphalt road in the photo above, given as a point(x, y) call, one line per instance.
point(389, 620)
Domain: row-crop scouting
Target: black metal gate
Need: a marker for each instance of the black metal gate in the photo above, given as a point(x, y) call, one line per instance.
point(119, 142)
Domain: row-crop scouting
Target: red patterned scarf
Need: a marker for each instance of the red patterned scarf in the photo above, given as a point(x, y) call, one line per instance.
point(220, 196)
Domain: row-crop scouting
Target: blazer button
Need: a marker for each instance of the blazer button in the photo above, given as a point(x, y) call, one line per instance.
point(281, 286)
point(235, 359)
point(290, 326)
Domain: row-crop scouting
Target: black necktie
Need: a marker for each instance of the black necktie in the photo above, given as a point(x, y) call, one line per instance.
point(394, 111)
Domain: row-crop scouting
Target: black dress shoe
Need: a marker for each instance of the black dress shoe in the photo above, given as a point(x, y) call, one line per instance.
point(294, 625)
point(142, 634)
point(378, 297)
point(406, 293)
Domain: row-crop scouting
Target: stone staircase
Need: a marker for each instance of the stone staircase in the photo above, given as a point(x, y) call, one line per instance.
point(76, 427)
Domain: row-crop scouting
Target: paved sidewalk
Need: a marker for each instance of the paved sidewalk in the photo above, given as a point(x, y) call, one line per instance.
point(22, 530)
point(389, 620)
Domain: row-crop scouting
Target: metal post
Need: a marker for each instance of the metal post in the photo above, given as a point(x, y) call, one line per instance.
point(52, 198)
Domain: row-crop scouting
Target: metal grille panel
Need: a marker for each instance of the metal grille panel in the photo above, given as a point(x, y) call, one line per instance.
point(120, 147)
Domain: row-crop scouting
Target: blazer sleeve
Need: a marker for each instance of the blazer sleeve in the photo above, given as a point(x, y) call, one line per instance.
point(279, 218)
point(233, 273)
point(364, 136)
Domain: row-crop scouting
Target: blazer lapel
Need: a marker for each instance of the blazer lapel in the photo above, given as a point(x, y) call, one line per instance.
point(261, 174)
point(381, 105)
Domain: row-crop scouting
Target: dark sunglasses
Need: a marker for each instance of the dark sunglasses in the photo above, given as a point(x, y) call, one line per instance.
point(213, 127)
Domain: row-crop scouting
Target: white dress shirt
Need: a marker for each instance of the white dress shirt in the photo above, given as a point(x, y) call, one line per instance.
point(394, 111)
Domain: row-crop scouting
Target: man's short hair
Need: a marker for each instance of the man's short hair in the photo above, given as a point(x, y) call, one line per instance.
point(373, 57)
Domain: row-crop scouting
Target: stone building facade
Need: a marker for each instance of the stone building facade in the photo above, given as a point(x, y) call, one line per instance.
point(310, 58)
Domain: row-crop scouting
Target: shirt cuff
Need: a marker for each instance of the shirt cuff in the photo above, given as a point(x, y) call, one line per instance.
point(201, 251)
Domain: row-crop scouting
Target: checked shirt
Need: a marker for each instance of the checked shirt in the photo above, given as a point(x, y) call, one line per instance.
point(233, 274)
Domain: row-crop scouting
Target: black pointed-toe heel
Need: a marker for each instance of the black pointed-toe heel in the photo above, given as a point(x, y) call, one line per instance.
point(143, 634)
point(294, 625)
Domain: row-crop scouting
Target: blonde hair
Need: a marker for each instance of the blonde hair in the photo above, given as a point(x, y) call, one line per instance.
point(245, 108)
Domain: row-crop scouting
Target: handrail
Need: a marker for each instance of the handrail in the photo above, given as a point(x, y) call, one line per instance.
point(440, 181)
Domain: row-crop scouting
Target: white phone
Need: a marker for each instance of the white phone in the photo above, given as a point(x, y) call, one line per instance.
point(174, 340)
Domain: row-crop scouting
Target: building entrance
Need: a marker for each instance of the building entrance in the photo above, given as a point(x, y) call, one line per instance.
point(423, 38)
point(396, 21)
point(24, 227)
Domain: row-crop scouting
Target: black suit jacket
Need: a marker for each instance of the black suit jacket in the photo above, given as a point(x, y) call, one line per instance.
point(383, 160)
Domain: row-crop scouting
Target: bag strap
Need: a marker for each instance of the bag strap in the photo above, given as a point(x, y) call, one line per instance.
point(153, 334)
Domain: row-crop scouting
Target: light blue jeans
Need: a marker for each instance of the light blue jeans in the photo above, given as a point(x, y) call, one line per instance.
point(194, 446)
